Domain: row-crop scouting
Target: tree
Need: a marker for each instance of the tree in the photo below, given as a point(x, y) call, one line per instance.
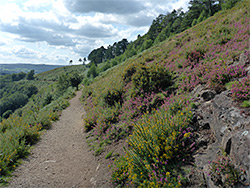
point(75, 79)
point(18, 76)
point(66, 80)
point(30, 90)
point(63, 82)
point(30, 75)
point(227, 4)
point(92, 71)
point(80, 60)
point(97, 55)
point(84, 60)
point(147, 44)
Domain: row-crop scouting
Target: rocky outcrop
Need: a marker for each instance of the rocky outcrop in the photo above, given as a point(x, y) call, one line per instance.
point(221, 126)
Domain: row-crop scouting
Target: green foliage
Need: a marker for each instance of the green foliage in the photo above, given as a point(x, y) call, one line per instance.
point(120, 172)
point(21, 128)
point(105, 66)
point(230, 84)
point(92, 71)
point(229, 3)
point(15, 137)
point(18, 76)
point(75, 79)
point(53, 75)
point(89, 123)
point(129, 72)
point(63, 82)
point(30, 75)
point(147, 44)
point(112, 97)
point(13, 102)
point(245, 104)
point(69, 80)
point(160, 143)
point(152, 78)
point(102, 54)
point(109, 154)
point(241, 89)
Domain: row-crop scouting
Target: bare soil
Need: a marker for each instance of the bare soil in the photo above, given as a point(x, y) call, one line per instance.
point(62, 157)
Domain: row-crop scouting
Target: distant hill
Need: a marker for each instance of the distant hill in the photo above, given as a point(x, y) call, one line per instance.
point(16, 68)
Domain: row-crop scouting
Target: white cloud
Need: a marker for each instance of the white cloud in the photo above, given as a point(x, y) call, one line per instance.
point(73, 27)
point(36, 4)
point(9, 13)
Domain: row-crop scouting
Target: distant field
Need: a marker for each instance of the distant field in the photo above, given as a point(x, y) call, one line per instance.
point(16, 68)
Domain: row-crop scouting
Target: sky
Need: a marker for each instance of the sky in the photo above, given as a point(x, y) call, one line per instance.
point(56, 31)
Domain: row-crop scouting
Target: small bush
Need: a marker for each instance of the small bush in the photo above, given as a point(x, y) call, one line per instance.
point(112, 97)
point(152, 78)
point(224, 173)
point(129, 72)
point(195, 56)
point(241, 90)
point(89, 124)
point(158, 146)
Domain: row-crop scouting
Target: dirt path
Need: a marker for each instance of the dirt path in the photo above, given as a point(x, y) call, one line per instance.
point(62, 157)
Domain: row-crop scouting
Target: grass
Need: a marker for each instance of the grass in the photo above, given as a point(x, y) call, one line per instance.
point(109, 155)
point(245, 104)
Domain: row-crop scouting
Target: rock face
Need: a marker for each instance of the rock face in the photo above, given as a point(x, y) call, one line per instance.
point(221, 126)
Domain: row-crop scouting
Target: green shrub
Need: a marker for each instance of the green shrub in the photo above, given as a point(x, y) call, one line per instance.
point(15, 137)
point(112, 97)
point(120, 172)
point(89, 123)
point(245, 104)
point(129, 72)
point(152, 78)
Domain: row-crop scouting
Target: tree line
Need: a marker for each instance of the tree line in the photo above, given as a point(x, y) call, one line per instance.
point(161, 28)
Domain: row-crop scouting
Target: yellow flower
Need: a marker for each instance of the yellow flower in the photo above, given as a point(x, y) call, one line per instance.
point(168, 174)
point(186, 135)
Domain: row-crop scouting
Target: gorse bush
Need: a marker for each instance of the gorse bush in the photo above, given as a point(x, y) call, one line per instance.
point(152, 78)
point(159, 145)
point(113, 96)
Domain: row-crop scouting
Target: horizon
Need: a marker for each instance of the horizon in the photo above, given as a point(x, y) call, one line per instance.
point(56, 31)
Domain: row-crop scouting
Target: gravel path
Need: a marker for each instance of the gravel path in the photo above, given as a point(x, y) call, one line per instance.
point(62, 157)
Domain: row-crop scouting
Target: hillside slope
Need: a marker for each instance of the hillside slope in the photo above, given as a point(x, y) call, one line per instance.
point(192, 79)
